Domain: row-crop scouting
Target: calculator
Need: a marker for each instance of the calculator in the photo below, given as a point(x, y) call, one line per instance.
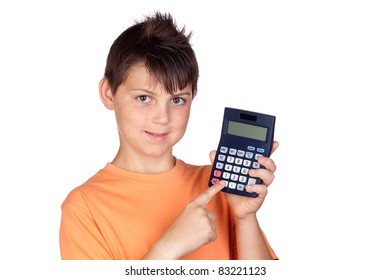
point(245, 137)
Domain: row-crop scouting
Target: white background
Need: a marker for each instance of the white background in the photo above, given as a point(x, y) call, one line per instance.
point(322, 67)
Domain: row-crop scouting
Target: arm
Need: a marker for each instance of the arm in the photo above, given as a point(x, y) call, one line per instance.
point(80, 238)
point(250, 240)
point(251, 243)
point(192, 229)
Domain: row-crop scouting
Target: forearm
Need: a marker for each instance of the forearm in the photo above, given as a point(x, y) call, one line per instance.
point(251, 244)
point(161, 250)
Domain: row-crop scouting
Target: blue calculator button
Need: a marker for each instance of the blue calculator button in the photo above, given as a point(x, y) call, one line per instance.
point(260, 150)
point(251, 148)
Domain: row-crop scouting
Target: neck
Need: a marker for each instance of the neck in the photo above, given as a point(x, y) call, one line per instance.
point(144, 164)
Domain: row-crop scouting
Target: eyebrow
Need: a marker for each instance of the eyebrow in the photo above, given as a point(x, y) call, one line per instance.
point(153, 93)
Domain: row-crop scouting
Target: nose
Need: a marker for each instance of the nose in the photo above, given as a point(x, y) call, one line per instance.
point(161, 114)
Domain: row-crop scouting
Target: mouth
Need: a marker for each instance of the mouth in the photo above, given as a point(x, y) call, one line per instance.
point(156, 134)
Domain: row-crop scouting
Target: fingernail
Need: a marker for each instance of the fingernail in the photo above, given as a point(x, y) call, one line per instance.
point(223, 183)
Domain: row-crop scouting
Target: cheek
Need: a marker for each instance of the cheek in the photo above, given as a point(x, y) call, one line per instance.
point(182, 119)
point(128, 119)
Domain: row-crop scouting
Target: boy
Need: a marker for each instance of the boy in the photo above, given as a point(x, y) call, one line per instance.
point(147, 204)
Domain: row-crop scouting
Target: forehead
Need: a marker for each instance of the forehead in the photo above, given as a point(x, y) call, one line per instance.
point(138, 77)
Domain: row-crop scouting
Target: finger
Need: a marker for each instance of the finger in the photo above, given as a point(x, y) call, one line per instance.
point(261, 190)
point(212, 237)
point(212, 156)
point(211, 215)
point(208, 194)
point(265, 175)
point(268, 163)
point(213, 227)
point(275, 145)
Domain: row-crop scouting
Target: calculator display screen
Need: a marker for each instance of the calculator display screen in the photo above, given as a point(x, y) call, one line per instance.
point(248, 131)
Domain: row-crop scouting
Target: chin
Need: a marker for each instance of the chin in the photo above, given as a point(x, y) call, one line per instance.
point(158, 152)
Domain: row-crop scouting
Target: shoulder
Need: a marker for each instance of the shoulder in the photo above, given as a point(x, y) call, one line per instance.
point(192, 167)
point(194, 170)
point(78, 195)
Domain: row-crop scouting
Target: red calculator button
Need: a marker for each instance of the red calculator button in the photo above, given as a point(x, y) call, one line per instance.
point(214, 181)
point(217, 173)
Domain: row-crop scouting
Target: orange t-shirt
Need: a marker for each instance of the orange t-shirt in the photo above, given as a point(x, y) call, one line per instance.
point(119, 214)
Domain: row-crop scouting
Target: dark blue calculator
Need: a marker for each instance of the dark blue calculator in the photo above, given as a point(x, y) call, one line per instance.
point(245, 137)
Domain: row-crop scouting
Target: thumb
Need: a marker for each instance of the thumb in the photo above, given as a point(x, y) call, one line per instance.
point(212, 156)
point(208, 194)
point(275, 145)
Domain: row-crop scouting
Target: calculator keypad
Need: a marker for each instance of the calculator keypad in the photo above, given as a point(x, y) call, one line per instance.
point(233, 165)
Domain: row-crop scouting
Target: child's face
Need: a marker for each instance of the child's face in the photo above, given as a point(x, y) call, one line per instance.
point(150, 120)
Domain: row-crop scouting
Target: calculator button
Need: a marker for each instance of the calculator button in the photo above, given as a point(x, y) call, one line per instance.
point(221, 157)
point(217, 173)
point(251, 181)
point(251, 148)
point(219, 165)
point(225, 183)
point(214, 181)
point(240, 187)
point(236, 169)
point(257, 156)
point(228, 167)
point(249, 155)
point(244, 171)
point(256, 165)
point(232, 185)
point(242, 179)
point(240, 153)
point(230, 159)
point(247, 163)
point(232, 152)
point(234, 177)
point(238, 161)
point(223, 150)
point(260, 150)
point(226, 175)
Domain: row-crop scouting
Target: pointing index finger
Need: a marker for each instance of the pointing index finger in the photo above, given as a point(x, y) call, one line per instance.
point(208, 194)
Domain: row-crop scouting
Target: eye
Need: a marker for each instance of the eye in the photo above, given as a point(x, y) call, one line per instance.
point(178, 101)
point(143, 98)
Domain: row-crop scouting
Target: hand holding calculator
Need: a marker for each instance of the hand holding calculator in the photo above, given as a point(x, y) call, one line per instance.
point(245, 137)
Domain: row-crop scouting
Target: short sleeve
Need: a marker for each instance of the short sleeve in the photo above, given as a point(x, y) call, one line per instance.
point(80, 237)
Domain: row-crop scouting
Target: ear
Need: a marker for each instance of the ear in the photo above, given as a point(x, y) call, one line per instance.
point(194, 93)
point(106, 95)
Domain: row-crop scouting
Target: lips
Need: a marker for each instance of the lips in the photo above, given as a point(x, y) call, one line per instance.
point(157, 136)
